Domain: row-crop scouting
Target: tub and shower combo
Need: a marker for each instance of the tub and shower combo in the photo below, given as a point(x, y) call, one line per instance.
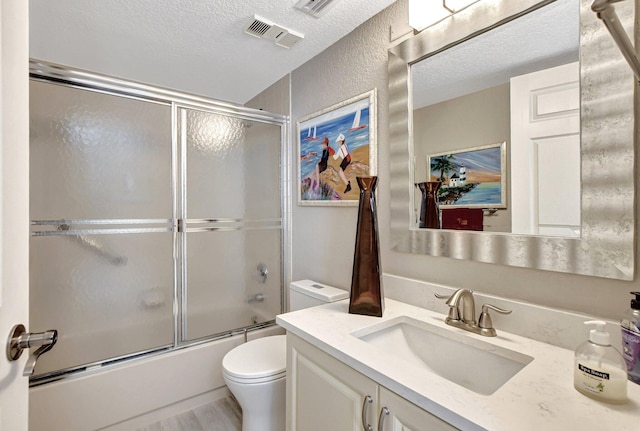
point(157, 244)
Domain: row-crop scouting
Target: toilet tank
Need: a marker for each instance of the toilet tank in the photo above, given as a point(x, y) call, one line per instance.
point(307, 293)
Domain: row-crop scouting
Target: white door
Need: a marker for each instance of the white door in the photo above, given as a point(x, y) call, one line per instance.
point(545, 152)
point(14, 213)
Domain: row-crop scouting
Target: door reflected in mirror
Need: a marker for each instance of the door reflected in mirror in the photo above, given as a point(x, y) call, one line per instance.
point(496, 121)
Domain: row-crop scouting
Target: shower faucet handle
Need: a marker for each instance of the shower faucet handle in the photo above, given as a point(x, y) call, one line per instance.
point(263, 272)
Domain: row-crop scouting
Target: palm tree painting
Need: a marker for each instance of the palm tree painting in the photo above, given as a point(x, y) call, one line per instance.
point(470, 178)
point(444, 164)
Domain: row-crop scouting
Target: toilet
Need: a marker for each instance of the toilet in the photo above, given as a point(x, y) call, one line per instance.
point(255, 372)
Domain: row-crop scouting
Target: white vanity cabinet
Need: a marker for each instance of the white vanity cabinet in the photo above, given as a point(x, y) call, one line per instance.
point(325, 394)
point(398, 414)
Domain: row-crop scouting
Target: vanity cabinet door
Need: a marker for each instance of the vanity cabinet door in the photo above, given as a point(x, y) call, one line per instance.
point(324, 394)
point(398, 414)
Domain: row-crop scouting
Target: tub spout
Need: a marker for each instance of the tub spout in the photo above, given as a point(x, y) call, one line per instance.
point(259, 297)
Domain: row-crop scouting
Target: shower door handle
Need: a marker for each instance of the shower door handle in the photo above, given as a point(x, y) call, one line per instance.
point(20, 339)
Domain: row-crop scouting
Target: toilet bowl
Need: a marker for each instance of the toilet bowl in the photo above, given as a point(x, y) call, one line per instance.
point(255, 372)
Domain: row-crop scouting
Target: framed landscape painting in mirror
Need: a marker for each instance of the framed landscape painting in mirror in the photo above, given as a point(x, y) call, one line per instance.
point(470, 178)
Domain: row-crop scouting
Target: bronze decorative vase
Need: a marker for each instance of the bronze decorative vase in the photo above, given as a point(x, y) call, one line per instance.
point(366, 284)
point(429, 211)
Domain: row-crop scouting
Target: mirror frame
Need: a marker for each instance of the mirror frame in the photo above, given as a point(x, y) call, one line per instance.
point(606, 247)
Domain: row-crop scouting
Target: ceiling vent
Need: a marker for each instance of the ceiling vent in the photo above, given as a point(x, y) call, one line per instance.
point(264, 29)
point(315, 8)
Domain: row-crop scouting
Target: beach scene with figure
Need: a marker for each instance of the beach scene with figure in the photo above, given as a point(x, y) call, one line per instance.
point(472, 178)
point(334, 149)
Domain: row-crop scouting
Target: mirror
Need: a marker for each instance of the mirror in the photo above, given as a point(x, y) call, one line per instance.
point(477, 93)
point(605, 246)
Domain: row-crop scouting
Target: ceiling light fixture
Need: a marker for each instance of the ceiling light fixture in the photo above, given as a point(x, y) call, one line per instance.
point(315, 8)
point(425, 13)
point(457, 5)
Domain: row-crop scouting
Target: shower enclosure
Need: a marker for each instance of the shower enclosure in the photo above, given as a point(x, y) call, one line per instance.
point(157, 218)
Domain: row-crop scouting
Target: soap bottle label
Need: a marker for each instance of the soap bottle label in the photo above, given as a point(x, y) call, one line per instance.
point(591, 380)
point(631, 353)
point(597, 374)
point(601, 381)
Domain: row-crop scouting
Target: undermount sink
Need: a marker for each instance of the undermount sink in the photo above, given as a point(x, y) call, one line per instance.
point(467, 361)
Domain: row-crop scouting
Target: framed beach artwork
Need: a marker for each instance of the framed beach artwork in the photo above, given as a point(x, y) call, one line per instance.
point(471, 178)
point(335, 146)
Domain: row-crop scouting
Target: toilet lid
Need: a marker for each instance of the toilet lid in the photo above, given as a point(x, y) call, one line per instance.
point(257, 359)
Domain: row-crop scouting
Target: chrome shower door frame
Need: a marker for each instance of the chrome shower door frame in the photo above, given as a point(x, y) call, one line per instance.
point(78, 229)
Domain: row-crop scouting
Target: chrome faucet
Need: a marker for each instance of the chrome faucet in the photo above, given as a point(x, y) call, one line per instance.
point(468, 306)
point(467, 318)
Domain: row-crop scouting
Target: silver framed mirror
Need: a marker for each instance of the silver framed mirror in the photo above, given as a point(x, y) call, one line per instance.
point(605, 247)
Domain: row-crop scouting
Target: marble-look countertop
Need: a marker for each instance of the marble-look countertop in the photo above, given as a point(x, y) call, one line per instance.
point(539, 397)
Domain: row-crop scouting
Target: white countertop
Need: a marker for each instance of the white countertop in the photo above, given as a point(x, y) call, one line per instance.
point(540, 397)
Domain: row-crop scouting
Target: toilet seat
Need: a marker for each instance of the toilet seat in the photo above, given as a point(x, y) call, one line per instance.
point(257, 361)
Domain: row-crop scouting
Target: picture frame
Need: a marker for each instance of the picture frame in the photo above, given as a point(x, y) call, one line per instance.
point(322, 171)
point(471, 178)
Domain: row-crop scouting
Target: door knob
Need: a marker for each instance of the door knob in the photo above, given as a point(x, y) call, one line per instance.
point(20, 339)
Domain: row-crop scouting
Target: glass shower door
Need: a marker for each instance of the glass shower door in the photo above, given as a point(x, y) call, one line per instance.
point(102, 261)
point(154, 224)
point(232, 212)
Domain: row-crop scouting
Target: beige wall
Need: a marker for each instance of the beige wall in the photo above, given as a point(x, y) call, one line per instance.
point(323, 237)
point(473, 120)
point(275, 99)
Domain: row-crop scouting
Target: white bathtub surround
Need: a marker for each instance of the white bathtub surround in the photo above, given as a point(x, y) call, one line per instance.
point(540, 397)
point(136, 393)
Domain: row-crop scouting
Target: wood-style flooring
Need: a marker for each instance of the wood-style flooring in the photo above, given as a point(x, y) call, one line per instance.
point(220, 415)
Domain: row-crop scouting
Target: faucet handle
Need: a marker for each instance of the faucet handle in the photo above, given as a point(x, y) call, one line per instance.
point(454, 312)
point(493, 307)
point(447, 297)
point(484, 322)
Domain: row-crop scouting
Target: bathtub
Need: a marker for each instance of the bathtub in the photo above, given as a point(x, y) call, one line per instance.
point(135, 393)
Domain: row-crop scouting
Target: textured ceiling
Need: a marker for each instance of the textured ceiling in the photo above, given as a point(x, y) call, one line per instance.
point(544, 38)
point(196, 46)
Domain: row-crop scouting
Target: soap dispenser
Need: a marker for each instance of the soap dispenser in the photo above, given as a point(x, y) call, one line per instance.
point(630, 326)
point(600, 372)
